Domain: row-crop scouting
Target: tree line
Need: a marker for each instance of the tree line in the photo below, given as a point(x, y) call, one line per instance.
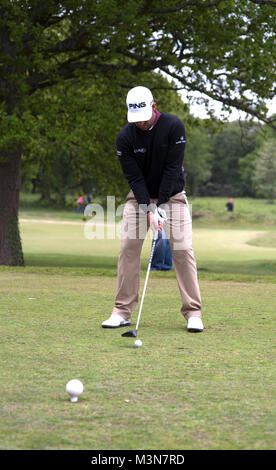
point(235, 159)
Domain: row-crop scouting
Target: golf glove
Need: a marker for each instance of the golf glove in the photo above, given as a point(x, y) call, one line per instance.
point(161, 215)
point(156, 219)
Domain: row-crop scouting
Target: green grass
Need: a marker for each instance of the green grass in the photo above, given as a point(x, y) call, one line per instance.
point(264, 240)
point(221, 252)
point(213, 390)
point(179, 391)
point(247, 213)
point(207, 211)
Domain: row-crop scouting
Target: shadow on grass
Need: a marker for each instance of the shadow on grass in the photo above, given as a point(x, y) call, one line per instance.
point(255, 268)
point(75, 261)
point(70, 261)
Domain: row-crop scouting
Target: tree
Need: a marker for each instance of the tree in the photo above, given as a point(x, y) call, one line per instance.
point(197, 159)
point(264, 176)
point(249, 174)
point(71, 146)
point(71, 143)
point(246, 168)
point(229, 146)
point(221, 48)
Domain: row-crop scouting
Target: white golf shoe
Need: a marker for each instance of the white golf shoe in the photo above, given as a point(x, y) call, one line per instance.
point(115, 321)
point(195, 325)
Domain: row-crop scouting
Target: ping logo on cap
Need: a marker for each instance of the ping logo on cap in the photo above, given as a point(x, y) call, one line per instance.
point(137, 105)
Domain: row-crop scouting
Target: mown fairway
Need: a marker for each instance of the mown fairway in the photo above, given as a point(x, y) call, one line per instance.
point(213, 390)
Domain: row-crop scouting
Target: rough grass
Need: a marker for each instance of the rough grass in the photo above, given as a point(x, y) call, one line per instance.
point(248, 212)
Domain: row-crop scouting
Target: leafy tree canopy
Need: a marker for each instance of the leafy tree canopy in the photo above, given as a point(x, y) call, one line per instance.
point(264, 175)
point(71, 140)
point(222, 48)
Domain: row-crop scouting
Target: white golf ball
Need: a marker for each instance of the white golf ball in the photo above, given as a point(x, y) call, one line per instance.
point(74, 388)
point(138, 343)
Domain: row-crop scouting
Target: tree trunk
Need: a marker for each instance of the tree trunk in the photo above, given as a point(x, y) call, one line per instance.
point(10, 243)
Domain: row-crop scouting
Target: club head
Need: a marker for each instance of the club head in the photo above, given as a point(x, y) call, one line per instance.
point(131, 333)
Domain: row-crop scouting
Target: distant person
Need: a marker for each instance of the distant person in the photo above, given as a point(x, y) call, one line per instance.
point(88, 199)
point(230, 205)
point(162, 255)
point(80, 205)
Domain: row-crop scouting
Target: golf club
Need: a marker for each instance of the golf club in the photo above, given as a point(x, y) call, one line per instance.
point(133, 333)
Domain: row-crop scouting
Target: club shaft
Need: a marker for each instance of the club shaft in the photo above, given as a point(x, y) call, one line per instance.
point(146, 280)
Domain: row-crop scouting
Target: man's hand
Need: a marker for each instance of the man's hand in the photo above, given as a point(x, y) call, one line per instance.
point(153, 222)
point(156, 219)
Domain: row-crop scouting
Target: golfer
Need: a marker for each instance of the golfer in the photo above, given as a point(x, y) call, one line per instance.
point(151, 152)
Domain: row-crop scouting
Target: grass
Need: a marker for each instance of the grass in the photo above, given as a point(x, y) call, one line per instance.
point(207, 212)
point(218, 251)
point(253, 213)
point(213, 390)
point(179, 391)
point(267, 240)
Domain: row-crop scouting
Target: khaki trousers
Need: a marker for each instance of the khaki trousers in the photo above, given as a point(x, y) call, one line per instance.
point(178, 229)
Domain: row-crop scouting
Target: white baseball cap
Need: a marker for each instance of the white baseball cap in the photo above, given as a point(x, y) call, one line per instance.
point(139, 104)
